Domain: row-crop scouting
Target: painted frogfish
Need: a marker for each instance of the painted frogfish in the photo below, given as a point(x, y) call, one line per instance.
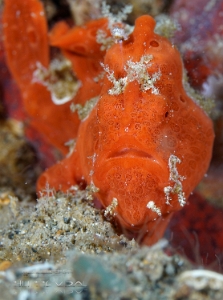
point(145, 143)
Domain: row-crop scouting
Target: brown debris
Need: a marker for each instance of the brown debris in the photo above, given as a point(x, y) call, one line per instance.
point(17, 161)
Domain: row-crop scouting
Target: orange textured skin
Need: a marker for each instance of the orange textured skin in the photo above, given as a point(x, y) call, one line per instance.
point(26, 44)
point(125, 144)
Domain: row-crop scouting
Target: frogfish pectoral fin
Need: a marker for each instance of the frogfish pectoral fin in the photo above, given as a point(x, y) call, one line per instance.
point(60, 177)
point(156, 230)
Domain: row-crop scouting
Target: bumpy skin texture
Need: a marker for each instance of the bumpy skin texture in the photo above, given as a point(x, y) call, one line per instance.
point(26, 44)
point(124, 146)
point(142, 122)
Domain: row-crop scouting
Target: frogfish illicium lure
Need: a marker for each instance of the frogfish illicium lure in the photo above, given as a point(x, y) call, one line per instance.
point(145, 145)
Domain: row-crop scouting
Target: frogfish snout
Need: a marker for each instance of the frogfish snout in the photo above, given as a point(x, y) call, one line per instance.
point(133, 179)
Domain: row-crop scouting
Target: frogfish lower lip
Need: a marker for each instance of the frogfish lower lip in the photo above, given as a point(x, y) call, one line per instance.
point(130, 152)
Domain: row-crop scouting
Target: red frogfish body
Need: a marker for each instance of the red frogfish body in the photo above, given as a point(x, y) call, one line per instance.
point(146, 144)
